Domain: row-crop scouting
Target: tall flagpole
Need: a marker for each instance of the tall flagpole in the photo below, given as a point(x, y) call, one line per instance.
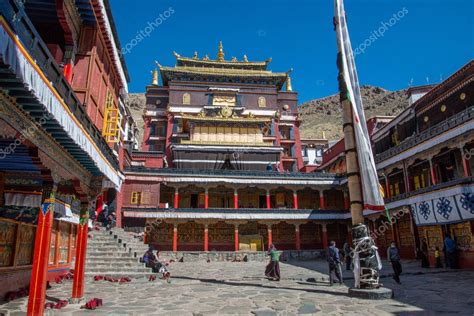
point(360, 167)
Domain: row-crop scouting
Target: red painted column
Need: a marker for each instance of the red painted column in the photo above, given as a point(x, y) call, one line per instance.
point(98, 205)
point(39, 269)
point(270, 237)
point(118, 211)
point(146, 134)
point(169, 136)
point(68, 70)
point(236, 199)
point(268, 199)
point(346, 200)
point(432, 172)
point(236, 237)
point(176, 198)
point(465, 162)
point(325, 235)
point(175, 237)
point(206, 237)
point(298, 152)
point(295, 199)
point(387, 188)
point(321, 200)
point(297, 237)
point(80, 261)
point(206, 198)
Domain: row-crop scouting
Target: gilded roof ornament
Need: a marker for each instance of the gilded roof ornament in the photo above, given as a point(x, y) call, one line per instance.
point(195, 57)
point(234, 59)
point(176, 54)
point(288, 81)
point(154, 77)
point(158, 64)
point(205, 57)
point(220, 54)
point(245, 58)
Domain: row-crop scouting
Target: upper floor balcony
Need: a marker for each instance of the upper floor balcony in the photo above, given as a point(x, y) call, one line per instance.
point(22, 46)
point(451, 123)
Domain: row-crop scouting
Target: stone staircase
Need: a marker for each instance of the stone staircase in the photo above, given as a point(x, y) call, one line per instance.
point(116, 254)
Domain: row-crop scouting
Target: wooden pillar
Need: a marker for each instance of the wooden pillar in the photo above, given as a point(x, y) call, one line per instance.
point(432, 171)
point(325, 235)
point(295, 199)
point(176, 198)
point(270, 237)
point(236, 199)
point(347, 203)
point(206, 237)
point(80, 260)
point(321, 200)
point(268, 199)
point(465, 162)
point(236, 237)
point(387, 187)
point(39, 269)
point(349, 234)
point(297, 236)
point(175, 237)
point(406, 177)
point(206, 198)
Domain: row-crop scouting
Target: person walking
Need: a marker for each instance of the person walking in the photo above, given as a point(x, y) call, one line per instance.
point(393, 256)
point(272, 271)
point(334, 263)
point(450, 249)
point(347, 255)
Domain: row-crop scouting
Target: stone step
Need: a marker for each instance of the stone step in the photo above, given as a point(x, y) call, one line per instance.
point(117, 266)
point(102, 243)
point(93, 259)
point(100, 270)
point(108, 254)
point(107, 248)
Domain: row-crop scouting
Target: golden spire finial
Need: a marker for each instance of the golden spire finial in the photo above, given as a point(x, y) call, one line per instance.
point(245, 58)
point(220, 54)
point(154, 78)
point(195, 55)
point(288, 83)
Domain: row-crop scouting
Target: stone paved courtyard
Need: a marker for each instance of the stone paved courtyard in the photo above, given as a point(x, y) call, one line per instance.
point(239, 288)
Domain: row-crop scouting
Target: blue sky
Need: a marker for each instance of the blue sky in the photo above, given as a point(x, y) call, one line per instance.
point(427, 42)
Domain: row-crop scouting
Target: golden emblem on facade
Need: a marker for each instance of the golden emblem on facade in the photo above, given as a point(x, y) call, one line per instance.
point(226, 112)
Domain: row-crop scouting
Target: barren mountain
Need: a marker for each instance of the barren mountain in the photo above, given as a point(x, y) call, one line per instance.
point(325, 114)
point(136, 104)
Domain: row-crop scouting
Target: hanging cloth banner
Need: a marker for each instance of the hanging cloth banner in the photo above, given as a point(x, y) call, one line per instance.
point(349, 86)
point(23, 198)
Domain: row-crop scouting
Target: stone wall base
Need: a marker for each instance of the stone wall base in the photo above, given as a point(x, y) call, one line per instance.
point(287, 255)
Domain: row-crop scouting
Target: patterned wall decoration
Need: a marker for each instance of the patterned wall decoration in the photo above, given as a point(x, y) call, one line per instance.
point(27, 245)
point(443, 209)
point(190, 232)
point(221, 232)
point(7, 243)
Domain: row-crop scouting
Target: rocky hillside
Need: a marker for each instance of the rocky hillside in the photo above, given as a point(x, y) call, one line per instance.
point(325, 114)
point(136, 104)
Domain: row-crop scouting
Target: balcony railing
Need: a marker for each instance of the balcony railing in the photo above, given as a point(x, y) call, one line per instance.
point(461, 181)
point(16, 17)
point(237, 173)
point(455, 120)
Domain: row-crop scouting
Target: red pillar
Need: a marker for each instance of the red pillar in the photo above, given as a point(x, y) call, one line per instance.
point(169, 136)
point(236, 199)
point(325, 236)
point(39, 269)
point(270, 238)
point(98, 205)
point(268, 199)
point(68, 70)
point(465, 162)
point(176, 198)
point(80, 261)
point(118, 212)
point(206, 199)
point(432, 172)
point(206, 238)
point(236, 237)
point(297, 237)
point(175, 237)
point(321, 200)
point(346, 200)
point(387, 188)
point(295, 199)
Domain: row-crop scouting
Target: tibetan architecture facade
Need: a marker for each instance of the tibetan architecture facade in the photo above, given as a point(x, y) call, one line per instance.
point(425, 164)
point(221, 163)
point(62, 89)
